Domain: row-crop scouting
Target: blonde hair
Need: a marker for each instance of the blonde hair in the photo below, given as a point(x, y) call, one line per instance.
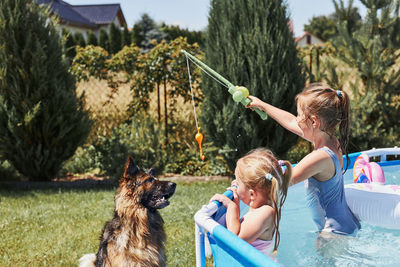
point(253, 169)
point(331, 106)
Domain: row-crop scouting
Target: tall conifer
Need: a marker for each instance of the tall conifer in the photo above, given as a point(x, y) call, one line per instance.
point(136, 35)
point(92, 38)
point(42, 121)
point(126, 37)
point(69, 44)
point(103, 39)
point(114, 39)
point(79, 39)
point(250, 44)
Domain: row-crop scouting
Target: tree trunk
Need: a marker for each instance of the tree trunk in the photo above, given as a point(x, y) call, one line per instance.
point(158, 103)
point(165, 111)
point(310, 64)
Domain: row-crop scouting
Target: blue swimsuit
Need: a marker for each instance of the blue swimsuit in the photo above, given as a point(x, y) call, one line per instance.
point(328, 202)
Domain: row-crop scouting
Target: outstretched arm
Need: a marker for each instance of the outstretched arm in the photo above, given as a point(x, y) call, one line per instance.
point(284, 118)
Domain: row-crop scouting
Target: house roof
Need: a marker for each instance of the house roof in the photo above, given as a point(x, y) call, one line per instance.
point(66, 13)
point(101, 14)
point(304, 35)
point(90, 16)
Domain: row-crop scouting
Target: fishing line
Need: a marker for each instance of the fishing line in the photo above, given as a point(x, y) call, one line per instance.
point(207, 72)
point(199, 136)
point(191, 91)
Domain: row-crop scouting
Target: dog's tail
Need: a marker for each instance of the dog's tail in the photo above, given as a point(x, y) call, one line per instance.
point(87, 260)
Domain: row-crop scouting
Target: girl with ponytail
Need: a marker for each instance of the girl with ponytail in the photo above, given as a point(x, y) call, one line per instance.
point(323, 119)
point(262, 184)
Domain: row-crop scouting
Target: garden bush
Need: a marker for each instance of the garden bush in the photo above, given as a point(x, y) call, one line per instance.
point(85, 160)
point(298, 151)
point(8, 172)
point(89, 62)
point(143, 140)
point(139, 138)
point(186, 161)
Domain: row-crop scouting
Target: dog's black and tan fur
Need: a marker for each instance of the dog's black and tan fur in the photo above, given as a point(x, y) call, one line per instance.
point(135, 236)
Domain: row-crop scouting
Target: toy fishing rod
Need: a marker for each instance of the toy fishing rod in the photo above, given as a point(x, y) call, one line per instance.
point(239, 93)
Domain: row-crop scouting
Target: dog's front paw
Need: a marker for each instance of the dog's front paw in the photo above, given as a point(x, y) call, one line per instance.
point(87, 260)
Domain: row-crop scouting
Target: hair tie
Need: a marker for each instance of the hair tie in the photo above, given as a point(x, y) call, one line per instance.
point(268, 176)
point(283, 166)
point(339, 93)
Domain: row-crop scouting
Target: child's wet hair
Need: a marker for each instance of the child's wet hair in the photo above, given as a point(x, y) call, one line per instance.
point(253, 170)
point(331, 106)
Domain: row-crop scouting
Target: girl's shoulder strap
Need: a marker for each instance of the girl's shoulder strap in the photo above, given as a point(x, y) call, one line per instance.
point(332, 155)
point(327, 150)
point(311, 165)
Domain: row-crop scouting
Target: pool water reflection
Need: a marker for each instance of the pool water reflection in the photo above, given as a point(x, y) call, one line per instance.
point(371, 246)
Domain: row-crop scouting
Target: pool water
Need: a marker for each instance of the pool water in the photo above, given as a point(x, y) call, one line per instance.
point(371, 246)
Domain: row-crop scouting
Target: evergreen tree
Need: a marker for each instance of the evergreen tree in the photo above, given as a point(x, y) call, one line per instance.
point(103, 39)
point(373, 53)
point(325, 28)
point(69, 44)
point(148, 31)
point(42, 121)
point(79, 40)
point(135, 35)
point(114, 39)
point(126, 37)
point(249, 43)
point(145, 24)
point(154, 34)
point(322, 26)
point(174, 32)
point(349, 14)
point(92, 38)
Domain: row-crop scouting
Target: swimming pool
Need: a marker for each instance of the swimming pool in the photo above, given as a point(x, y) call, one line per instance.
point(371, 246)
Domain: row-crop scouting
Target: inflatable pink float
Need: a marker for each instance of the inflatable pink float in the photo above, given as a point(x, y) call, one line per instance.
point(365, 171)
point(369, 199)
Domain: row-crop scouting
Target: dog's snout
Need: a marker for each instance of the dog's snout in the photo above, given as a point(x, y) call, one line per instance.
point(172, 185)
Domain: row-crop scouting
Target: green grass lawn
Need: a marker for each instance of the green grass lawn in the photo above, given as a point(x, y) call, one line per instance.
point(55, 227)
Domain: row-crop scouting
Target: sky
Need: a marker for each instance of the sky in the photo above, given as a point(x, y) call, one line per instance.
point(193, 14)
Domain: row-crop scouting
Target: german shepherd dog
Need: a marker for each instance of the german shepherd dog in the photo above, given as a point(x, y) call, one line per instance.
point(135, 236)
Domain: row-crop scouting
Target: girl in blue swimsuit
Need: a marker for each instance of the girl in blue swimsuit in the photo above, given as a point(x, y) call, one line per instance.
point(320, 111)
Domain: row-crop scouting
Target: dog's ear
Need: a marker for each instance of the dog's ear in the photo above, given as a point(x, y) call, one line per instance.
point(131, 168)
point(152, 172)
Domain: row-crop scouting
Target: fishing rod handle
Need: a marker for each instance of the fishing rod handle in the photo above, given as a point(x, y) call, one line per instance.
point(245, 102)
point(240, 94)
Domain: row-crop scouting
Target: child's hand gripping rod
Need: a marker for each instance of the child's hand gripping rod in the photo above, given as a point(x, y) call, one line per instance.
point(239, 93)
